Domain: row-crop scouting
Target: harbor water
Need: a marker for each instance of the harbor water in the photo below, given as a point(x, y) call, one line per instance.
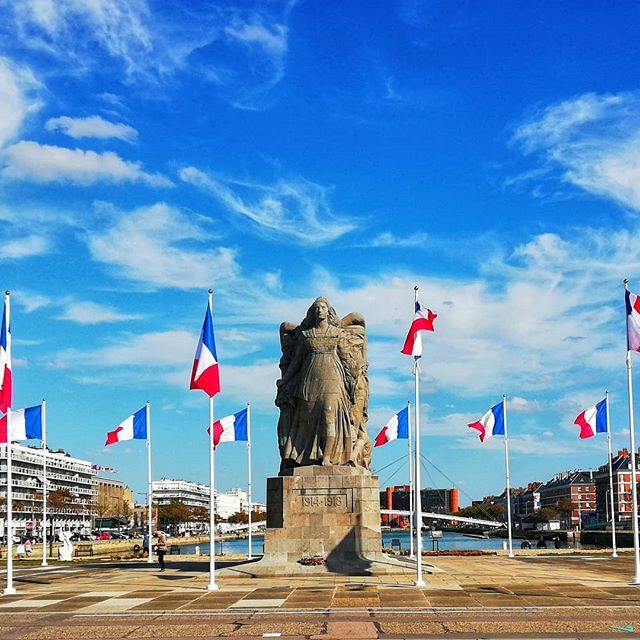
point(450, 541)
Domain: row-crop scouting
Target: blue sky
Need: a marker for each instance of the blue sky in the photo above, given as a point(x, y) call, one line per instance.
point(277, 151)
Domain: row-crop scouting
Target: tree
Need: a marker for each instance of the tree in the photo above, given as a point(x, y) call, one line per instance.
point(173, 513)
point(483, 511)
point(240, 517)
point(565, 507)
point(540, 515)
point(61, 499)
point(200, 514)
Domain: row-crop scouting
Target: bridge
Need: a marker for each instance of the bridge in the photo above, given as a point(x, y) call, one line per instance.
point(445, 516)
point(223, 527)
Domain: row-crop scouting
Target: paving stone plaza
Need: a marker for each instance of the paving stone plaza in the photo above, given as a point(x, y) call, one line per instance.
point(567, 596)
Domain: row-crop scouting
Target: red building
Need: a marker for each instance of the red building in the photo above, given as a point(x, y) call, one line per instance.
point(621, 465)
point(578, 487)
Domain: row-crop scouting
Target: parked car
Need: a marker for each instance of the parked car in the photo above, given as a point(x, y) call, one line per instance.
point(104, 536)
point(119, 536)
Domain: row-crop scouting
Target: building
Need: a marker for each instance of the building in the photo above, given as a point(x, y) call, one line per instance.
point(577, 487)
point(433, 501)
point(190, 493)
point(230, 502)
point(71, 486)
point(621, 466)
point(114, 505)
point(528, 500)
point(193, 494)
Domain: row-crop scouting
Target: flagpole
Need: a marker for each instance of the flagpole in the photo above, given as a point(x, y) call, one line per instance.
point(9, 589)
point(506, 465)
point(632, 445)
point(411, 515)
point(418, 498)
point(250, 556)
point(149, 486)
point(212, 586)
point(614, 553)
point(44, 483)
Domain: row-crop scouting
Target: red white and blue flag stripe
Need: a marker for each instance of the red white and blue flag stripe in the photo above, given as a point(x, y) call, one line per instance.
point(6, 383)
point(633, 321)
point(422, 321)
point(231, 428)
point(593, 420)
point(491, 423)
point(26, 424)
point(133, 428)
point(205, 374)
point(396, 428)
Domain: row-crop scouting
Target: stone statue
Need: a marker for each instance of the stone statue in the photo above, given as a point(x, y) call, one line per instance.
point(324, 391)
point(65, 552)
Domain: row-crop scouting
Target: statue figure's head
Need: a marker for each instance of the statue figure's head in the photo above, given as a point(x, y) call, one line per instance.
point(320, 309)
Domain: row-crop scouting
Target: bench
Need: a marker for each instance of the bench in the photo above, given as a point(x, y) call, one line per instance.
point(174, 549)
point(84, 550)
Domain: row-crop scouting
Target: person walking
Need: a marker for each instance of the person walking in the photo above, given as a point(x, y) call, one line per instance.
point(161, 548)
point(145, 544)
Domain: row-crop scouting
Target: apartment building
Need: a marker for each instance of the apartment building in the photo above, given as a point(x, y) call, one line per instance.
point(71, 479)
point(621, 466)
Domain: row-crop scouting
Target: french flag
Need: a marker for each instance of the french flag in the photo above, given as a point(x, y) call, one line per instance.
point(593, 420)
point(422, 321)
point(133, 428)
point(6, 385)
point(491, 423)
point(633, 321)
point(26, 424)
point(205, 374)
point(231, 428)
point(396, 428)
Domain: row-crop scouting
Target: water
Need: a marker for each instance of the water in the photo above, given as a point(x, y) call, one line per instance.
point(451, 540)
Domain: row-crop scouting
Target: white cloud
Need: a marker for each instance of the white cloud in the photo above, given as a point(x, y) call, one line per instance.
point(538, 323)
point(27, 247)
point(162, 246)
point(16, 98)
point(90, 313)
point(72, 28)
point(31, 161)
point(30, 301)
point(150, 350)
point(92, 127)
point(240, 50)
point(293, 209)
point(270, 38)
point(592, 140)
point(391, 240)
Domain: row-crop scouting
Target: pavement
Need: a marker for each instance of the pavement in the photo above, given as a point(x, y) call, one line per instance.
point(542, 596)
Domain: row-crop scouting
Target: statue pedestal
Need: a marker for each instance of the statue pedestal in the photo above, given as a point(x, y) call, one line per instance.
point(333, 512)
point(329, 511)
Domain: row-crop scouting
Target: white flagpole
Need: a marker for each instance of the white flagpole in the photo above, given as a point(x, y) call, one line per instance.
point(44, 483)
point(250, 556)
point(418, 501)
point(212, 586)
point(614, 553)
point(9, 589)
point(632, 445)
point(411, 515)
point(506, 466)
point(149, 487)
